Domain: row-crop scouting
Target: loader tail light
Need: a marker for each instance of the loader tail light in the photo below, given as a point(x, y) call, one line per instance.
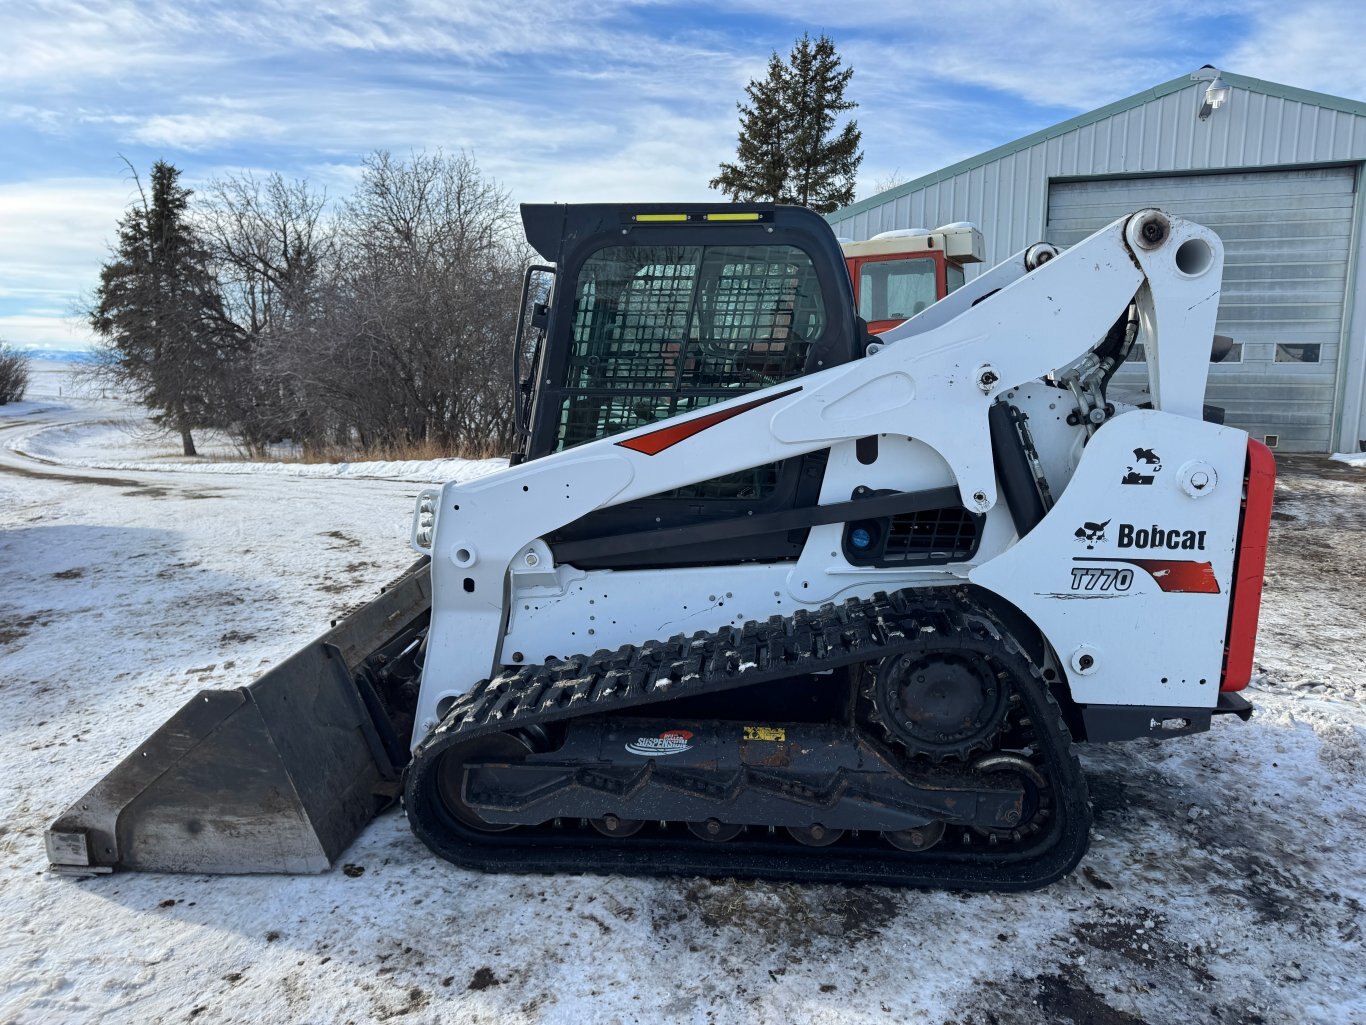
point(424, 521)
point(1249, 566)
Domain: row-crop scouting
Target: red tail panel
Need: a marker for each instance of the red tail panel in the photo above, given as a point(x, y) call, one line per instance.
point(1249, 566)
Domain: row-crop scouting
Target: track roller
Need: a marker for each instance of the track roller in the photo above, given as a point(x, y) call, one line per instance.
point(715, 830)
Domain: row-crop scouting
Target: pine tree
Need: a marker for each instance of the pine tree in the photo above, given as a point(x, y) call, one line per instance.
point(821, 166)
point(787, 152)
point(158, 308)
point(761, 171)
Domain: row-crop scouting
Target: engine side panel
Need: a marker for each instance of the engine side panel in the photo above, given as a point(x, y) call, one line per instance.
point(1130, 574)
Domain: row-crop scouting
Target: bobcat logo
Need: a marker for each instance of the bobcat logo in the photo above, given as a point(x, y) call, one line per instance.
point(1091, 533)
point(1147, 463)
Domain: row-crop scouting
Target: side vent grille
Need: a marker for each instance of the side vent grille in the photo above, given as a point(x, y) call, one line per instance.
point(930, 537)
point(935, 535)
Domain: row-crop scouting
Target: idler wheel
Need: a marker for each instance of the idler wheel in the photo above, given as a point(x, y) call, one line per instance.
point(450, 777)
point(1038, 799)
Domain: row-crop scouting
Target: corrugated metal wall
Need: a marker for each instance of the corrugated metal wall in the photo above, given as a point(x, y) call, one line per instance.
point(1008, 197)
point(1007, 194)
point(1286, 241)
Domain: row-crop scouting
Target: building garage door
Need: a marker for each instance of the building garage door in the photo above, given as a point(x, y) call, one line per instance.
point(1286, 241)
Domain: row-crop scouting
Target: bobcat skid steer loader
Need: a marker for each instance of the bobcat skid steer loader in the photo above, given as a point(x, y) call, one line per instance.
point(760, 594)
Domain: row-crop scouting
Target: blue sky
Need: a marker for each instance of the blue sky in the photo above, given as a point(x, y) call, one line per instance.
point(565, 100)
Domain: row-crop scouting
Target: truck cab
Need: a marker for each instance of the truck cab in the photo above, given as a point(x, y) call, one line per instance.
point(896, 274)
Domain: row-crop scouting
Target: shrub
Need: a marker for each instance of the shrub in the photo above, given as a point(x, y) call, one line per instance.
point(14, 368)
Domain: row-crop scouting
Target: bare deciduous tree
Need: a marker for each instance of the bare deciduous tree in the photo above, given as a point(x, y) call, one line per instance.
point(428, 286)
point(274, 251)
point(888, 181)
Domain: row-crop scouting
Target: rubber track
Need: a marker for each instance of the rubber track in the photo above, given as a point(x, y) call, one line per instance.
point(859, 630)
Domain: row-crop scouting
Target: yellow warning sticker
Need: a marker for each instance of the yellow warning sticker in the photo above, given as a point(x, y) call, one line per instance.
point(774, 733)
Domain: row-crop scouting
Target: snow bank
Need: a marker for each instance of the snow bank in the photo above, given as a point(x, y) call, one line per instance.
point(1357, 459)
point(126, 444)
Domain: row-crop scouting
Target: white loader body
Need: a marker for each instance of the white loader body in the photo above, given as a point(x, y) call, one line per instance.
point(1121, 636)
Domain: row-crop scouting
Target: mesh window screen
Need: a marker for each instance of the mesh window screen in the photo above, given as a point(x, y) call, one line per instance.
point(665, 330)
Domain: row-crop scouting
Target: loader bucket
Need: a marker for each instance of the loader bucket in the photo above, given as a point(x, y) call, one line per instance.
point(277, 776)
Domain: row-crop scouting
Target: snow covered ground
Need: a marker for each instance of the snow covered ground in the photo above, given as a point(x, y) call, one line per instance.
point(1226, 881)
point(107, 434)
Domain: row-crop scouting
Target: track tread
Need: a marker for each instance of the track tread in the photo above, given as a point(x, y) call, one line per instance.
point(857, 630)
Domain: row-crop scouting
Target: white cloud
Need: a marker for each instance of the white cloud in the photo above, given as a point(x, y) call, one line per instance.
point(655, 155)
point(52, 242)
point(48, 228)
point(66, 42)
point(559, 99)
point(60, 332)
point(204, 130)
point(1070, 55)
point(1309, 45)
point(57, 44)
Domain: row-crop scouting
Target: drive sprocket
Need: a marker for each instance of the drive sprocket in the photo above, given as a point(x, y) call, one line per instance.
point(940, 703)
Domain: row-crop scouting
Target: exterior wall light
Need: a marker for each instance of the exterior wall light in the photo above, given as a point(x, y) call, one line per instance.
point(1216, 94)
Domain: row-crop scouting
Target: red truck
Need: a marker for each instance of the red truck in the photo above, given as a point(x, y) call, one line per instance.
point(898, 273)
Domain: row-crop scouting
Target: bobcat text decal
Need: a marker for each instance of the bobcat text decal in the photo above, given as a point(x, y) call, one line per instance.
point(1129, 535)
point(1158, 537)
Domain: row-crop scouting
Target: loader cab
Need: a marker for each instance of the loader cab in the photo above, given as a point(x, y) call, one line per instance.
point(660, 310)
point(898, 274)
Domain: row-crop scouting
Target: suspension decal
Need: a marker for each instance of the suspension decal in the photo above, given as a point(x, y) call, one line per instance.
point(1174, 576)
point(666, 437)
point(670, 742)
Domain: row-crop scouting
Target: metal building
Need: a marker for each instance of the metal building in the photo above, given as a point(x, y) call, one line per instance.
point(1276, 171)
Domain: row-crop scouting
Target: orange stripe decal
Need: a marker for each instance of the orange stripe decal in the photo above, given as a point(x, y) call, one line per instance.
point(1177, 576)
point(666, 437)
